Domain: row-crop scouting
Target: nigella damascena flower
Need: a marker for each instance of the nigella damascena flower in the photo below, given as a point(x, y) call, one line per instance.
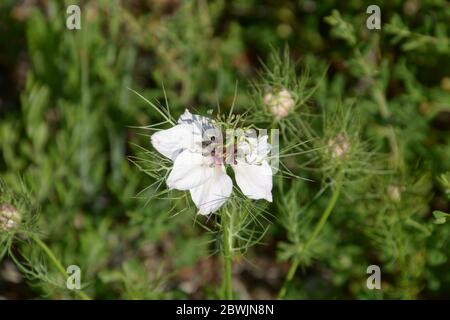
point(195, 145)
point(279, 103)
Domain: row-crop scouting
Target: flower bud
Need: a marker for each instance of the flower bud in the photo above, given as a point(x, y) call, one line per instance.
point(9, 217)
point(395, 193)
point(339, 146)
point(445, 84)
point(279, 103)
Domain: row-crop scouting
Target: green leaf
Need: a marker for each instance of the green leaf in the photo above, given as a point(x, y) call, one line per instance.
point(440, 217)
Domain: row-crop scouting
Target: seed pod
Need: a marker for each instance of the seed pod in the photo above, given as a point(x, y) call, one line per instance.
point(9, 217)
point(279, 103)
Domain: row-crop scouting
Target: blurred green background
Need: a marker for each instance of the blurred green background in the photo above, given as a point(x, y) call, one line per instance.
point(66, 131)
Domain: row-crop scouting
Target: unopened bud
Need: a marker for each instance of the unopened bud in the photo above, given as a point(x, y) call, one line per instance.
point(9, 217)
point(445, 84)
point(339, 146)
point(395, 193)
point(279, 103)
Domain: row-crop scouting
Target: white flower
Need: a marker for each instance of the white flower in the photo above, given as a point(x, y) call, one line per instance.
point(195, 147)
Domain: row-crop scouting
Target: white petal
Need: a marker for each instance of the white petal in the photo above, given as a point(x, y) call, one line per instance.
point(263, 146)
point(189, 118)
point(255, 181)
point(211, 195)
point(200, 123)
point(190, 170)
point(172, 141)
point(252, 149)
point(186, 117)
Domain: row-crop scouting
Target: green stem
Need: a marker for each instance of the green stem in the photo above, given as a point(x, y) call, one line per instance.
point(289, 277)
point(323, 219)
point(227, 256)
point(56, 263)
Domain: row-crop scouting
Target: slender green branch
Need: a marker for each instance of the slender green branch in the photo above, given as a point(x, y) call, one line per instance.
point(323, 219)
point(56, 263)
point(227, 255)
point(165, 116)
point(289, 277)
